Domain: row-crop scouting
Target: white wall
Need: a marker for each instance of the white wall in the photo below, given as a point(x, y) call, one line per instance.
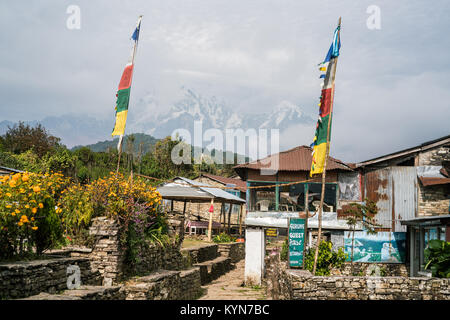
point(255, 247)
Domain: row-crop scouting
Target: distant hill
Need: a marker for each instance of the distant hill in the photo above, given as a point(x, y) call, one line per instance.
point(147, 141)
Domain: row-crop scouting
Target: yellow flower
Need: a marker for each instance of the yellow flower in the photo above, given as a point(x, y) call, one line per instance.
point(13, 214)
point(12, 183)
point(34, 228)
point(25, 178)
point(41, 205)
point(34, 210)
point(16, 176)
point(36, 189)
point(8, 206)
point(17, 211)
point(27, 206)
point(20, 223)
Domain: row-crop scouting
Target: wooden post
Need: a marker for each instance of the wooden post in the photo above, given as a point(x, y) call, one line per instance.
point(240, 219)
point(306, 222)
point(210, 222)
point(229, 218)
point(322, 196)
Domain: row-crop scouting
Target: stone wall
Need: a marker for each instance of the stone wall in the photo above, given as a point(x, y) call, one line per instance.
point(304, 286)
point(434, 157)
point(369, 269)
point(108, 257)
point(235, 251)
point(27, 278)
point(283, 283)
point(200, 253)
point(433, 200)
point(165, 285)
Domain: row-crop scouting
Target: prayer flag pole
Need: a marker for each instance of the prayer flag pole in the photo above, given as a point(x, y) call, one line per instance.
point(123, 94)
point(322, 196)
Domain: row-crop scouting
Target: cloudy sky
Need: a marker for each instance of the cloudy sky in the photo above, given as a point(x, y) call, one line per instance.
point(391, 88)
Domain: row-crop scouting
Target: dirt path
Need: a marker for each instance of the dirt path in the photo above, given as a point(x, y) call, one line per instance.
point(230, 287)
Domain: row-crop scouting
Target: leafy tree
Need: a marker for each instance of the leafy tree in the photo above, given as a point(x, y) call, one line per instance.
point(437, 257)
point(327, 258)
point(363, 213)
point(21, 138)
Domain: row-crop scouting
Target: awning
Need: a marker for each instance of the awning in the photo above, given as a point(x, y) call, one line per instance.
point(432, 175)
point(280, 220)
point(428, 221)
point(217, 194)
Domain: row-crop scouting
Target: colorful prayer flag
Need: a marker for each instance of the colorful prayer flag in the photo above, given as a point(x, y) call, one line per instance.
point(123, 93)
point(326, 108)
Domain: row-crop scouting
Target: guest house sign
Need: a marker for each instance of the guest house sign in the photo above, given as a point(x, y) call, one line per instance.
point(296, 235)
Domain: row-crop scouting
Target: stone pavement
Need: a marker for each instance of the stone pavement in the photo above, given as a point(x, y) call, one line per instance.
point(230, 287)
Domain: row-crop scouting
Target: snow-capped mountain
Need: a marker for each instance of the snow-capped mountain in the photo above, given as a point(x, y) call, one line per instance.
point(148, 118)
point(214, 113)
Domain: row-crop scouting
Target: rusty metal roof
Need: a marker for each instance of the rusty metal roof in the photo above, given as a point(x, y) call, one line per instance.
point(240, 184)
point(407, 152)
point(431, 181)
point(295, 159)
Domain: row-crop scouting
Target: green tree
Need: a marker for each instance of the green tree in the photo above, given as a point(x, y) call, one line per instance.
point(22, 137)
point(363, 213)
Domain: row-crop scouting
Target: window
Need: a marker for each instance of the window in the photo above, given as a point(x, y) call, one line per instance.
point(349, 186)
point(297, 193)
point(262, 199)
point(291, 198)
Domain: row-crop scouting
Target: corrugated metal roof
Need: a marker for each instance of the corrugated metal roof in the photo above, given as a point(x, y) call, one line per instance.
point(240, 184)
point(295, 159)
point(433, 181)
point(216, 192)
point(280, 220)
point(10, 169)
point(173, 192)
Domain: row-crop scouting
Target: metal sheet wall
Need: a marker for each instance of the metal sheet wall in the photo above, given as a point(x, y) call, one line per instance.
point(404, 185)
point(378, 188)
point(394, 189)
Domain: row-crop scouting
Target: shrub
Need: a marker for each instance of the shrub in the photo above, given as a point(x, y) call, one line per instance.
point(28, 220)
point(134, 204)
point(437, 257)
point(223, 237)
point(285, 250)
point(327, 259)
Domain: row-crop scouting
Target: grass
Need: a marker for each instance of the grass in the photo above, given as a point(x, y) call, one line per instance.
point(189, 243)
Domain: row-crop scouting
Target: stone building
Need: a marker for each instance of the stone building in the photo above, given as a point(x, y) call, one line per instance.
point(412, 190)
point(276, 190)
point(409, 183)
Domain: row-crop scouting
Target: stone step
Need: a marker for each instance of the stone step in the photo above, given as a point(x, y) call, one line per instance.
point(165, 285)
point(201, 253)
point(213, 269)
point(84, 293)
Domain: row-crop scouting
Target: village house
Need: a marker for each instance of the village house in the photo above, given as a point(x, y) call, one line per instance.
point(274, 195)
point(412, 190)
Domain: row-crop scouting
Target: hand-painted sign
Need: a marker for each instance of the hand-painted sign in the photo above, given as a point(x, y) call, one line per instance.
point(386, 247)
point(271, 232)
point(296, 241)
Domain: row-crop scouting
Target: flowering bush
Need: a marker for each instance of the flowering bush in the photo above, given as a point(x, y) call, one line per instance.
point(131, 202)
point(28, 219)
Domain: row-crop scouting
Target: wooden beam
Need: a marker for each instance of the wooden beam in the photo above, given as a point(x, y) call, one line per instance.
point(210, 221)
point(229, 218)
